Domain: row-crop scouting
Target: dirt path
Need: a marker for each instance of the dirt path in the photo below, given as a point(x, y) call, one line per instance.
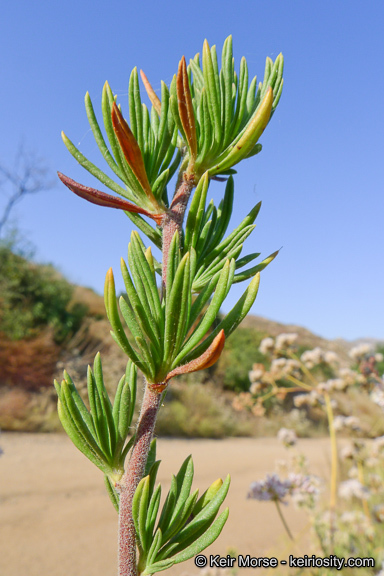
point(56, 518)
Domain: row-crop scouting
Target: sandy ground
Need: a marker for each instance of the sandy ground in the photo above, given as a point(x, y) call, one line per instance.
point(56, 518)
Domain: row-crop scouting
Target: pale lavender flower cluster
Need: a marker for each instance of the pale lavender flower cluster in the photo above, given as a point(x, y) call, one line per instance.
point(272, 488)
point(304, 489)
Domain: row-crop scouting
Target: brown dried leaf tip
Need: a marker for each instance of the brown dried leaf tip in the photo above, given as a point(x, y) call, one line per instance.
point(155, 101)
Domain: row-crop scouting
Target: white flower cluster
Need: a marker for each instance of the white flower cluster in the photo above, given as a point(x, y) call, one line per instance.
point(257, 372)
point(377, 396)
point(281, 367)
point(357, 353)
point(348, 452)
point(377, 447)
point(350, 377)
point(285, 340)
point(312, 398)
point(311, 358)
point(353, 489)
point(305, 489)
point(267, 346)
point(287, 437)
point(381, 572)
point(282, 342)
point(346, 422)
point(357, 523)
point(375, 483)
point(337, 384)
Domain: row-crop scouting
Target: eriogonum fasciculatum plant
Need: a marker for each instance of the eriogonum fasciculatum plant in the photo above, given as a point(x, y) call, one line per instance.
point(205, 123)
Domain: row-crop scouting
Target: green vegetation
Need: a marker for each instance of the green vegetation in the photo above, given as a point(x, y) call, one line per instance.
point(33, 297)
point(240, 353)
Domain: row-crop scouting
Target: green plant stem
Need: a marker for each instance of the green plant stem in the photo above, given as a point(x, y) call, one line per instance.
point(299, 383)
point(127, 565)
point(283, 520)
point(334, 466)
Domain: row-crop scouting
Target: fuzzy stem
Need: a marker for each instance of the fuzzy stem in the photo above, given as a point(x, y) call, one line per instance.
point(132, 477)
point(173, 220)
point(127, 565)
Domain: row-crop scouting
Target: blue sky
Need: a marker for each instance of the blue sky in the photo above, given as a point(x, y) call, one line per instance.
point(320, 174)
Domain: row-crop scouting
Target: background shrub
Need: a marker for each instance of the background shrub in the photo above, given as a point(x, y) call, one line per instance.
point(33, 297)
point(240, 353)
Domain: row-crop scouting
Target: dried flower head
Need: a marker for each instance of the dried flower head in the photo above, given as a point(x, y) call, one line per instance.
point(258, 410)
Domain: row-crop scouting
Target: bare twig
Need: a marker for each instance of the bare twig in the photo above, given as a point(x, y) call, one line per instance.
point(28, 176)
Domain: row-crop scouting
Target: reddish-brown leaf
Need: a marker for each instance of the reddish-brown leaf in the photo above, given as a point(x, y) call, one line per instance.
point(131, 151)
point(103, 199)
point(207, 359)
point(187, 115)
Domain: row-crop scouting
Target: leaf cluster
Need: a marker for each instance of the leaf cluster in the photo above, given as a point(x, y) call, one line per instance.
point(186, 524)
point(205, 230)
point(226, 115)
point(101, 433)
point(165, 334)
point(207, 121)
